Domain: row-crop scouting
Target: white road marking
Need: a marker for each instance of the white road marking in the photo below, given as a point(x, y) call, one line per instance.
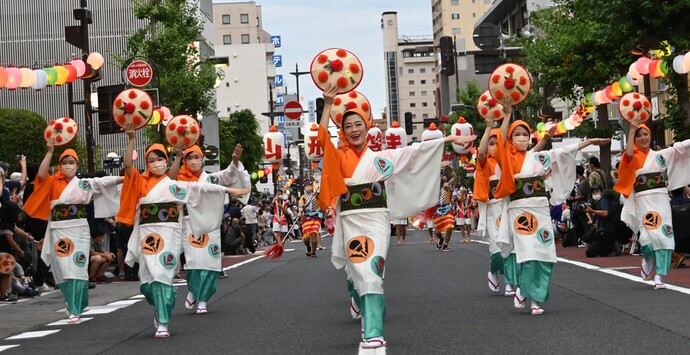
point(6, 347)
point(65, 322)
point(139, 296)
point(34, 334)
point(123, 303)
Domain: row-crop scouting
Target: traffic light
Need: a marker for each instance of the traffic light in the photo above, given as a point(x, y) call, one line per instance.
point(447, 56)
point(408, 123)
point(106, 97)
point(319, 108)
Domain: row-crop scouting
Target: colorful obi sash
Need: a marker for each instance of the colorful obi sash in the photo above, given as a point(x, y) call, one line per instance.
point(165, 212)
point(528, 187)
point(364, 196)
point(67, 212)
point(650, 181)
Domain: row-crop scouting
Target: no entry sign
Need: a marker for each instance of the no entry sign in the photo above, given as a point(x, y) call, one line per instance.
point(293, 110)
point(139, 73)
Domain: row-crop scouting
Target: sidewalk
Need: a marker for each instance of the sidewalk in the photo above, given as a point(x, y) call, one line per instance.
point(625, 262)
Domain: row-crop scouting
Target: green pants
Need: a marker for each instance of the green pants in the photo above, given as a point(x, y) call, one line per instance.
point(496, 264)
point(372, 307)
point(76, 295)
point(662, 258)
point(511, 270)
point(534, 280)
point(202, 283)
point(162, 297)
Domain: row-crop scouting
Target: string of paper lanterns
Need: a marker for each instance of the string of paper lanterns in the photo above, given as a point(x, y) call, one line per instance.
point(12, 77)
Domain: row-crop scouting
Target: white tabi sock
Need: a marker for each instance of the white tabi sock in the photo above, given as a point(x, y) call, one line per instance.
point(162, 327)
point(535, 304)
point(202, 305)
point(191, 298)
point(658, 279)
point(509, 287)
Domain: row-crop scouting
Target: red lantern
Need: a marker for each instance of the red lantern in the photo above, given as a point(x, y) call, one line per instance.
point(609, 93)
point(71, 72)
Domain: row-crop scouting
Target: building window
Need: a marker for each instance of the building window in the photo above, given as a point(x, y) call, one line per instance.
point(456, 30)
point(425, 104)
point(244, 18)
point(245, 39)
point(433, 70)
point(414, 116)
point(455, 16)
point(424, 93)
point(257, 21)
point(400, 71)
point(474, 14)
point(456, 2)
point(412, 93)
point(433, 81)
point(229, 109)
point(422, 70)
point(227, 85)
point(411, 82)
point(412, 105)
point(425, 115)
point(410, 71)
point(422, 82)
point(227, 39)
point(226, 19)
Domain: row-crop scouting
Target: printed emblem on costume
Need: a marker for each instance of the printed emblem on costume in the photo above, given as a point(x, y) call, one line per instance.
point(84, 185)
point(214, 250)
point(661, 160)
point(213, 179)
point(651, 220)
point(544, 160)
point(378, 264)
point(79, 259)
point(545, 237)
point(359, 249)
point(178, 192)
point(64, 247)
point(384, 166)
point(498, 222)
point(198, 243)
point(526, 224)
point(667, 230)
point(152, 244)
point(167, 259)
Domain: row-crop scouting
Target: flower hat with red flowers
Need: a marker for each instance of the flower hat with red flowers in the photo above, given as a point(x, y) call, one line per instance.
point(7, 263)
point(339, 67)
point(182, 131)
point(63, 130)
point(348, 101)
point(133, 106)
point(509, 84)
point(488, 107)
point(634, 106)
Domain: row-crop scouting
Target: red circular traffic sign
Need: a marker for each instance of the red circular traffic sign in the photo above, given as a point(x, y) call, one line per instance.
point(139, 73)
point(470, 168)
point(293, 110)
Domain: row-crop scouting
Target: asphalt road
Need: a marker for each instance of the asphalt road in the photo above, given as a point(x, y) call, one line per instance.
point(438, 303)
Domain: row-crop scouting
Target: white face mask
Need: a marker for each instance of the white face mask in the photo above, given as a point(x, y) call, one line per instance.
point(158, 167)
point(521, 142)
point(194, 164)
point(596, 197)
point(69, 170)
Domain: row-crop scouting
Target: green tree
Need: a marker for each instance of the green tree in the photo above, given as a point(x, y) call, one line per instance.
point(185, 79)
point(18, 128)
point(241, 127)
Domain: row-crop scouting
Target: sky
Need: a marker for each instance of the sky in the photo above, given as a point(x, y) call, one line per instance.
point(307, 27)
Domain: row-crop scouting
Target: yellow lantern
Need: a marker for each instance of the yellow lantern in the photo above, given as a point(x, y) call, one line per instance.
point(61, 74)
point(616, 88)
point(155, 118)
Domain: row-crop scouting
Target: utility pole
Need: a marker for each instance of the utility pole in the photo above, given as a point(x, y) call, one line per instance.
point(300, 136)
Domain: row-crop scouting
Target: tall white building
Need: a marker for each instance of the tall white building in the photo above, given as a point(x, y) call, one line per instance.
point(239, 36)
point(410, 74)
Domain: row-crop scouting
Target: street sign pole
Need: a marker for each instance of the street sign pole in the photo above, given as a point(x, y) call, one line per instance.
point(297, 73)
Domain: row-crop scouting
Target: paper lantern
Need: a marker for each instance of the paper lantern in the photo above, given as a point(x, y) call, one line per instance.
point(396, 136)
point(14, 78)
point(431, 133)
point(255, 176)
point(609, 93)
point(625, 86)
point(605, 100)
point(155, 117)
point(52, 75)
point(462, 128)
point(653, 68)
point(267, 171)
point(95, 60)
point(595, 99)
point(678, 66)
point(260, 173)
point(274, 146)
point(79, 65)
point(633, 71)
point(642, 65)
point(631, 80)
point(28, 77)
point(3, 76)
point(375, 139)
point(686, 63)
point(616, 89)
point(61, 75)
point(71, 72)
point(165, 115)
point(313, 148)
point(41, 79)
point(663, 68)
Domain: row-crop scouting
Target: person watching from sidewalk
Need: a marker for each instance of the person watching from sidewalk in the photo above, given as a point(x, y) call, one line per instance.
point(99, 259)
point(602, 237)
